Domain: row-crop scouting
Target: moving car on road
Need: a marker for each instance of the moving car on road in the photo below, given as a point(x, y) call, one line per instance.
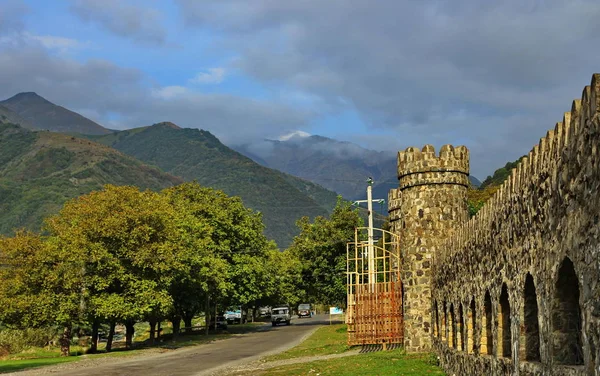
point(304, 311)
point(235, 316)
point(281, 315)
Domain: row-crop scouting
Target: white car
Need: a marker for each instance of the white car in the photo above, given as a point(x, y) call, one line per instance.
point(280, 315)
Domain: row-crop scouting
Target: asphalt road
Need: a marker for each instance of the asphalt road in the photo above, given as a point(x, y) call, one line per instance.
point(207, 359)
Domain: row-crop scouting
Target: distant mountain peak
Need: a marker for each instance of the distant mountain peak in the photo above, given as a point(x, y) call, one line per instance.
point(29, 96)
point(167, 124)
point(41, 114)
point(294, 135)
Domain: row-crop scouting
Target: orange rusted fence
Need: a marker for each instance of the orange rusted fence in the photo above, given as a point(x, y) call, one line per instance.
point(374, 313)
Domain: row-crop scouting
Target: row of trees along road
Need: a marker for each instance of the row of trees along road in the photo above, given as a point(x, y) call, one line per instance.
point(123, 256)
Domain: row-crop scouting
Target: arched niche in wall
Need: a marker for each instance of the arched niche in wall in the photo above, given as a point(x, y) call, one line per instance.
point(453, 341)
point(566, 317)
point(461, 328)
point(436, 320)
point(471, 325)
point(530, 341)
point(487, 343)
point(445, 324)
point(504, 322)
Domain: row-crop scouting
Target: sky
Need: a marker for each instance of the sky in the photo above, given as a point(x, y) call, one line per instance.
point(491, 75)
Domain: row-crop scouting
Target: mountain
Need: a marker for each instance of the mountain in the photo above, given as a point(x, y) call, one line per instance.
point(342, 167)
point(501, 174)
point(40, 170)
point(474, 181)
point(198, 155)
point(9, 116)
point(42, 114)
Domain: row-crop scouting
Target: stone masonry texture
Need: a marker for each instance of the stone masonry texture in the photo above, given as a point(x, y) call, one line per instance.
point(515, 290)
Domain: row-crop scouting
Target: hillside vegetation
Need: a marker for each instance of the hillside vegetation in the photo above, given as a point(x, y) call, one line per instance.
point(41, 114)
point(477, 197)
point(198, 155)
point(39, 171)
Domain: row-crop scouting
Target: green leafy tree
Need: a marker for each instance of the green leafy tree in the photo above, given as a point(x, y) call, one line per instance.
point(128, 250)
point(42, 285)
point(229, 255)
point(321, 248)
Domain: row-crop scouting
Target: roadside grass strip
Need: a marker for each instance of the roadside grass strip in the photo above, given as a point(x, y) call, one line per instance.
point(384, 363)
point(329, 339)
point(40, 357)
point(18, 365)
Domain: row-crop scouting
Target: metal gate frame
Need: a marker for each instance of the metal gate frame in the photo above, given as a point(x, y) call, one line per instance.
point(374, 313)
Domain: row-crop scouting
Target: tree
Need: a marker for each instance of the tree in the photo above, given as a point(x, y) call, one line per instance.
point(227, 250)
point(128, 250)
point(41, 285)
point(321, 249)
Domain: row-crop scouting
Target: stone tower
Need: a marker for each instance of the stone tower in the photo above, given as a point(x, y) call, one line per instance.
point(430, 202)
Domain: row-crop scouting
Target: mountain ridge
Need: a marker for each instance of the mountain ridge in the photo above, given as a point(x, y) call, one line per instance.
point(40, 170)
point(195, 154)
point(41, 114)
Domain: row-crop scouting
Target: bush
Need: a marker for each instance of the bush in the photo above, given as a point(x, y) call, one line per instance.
point(13, 341)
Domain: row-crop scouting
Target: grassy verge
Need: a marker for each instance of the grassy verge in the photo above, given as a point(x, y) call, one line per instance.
point(393, 362)
point(38, 357)
point(326, 340)
point(19, 365)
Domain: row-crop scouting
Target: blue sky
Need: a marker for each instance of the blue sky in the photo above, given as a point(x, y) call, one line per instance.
point(493, 76)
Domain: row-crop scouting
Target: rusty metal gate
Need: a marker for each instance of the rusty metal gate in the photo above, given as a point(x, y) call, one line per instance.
point(374, 313)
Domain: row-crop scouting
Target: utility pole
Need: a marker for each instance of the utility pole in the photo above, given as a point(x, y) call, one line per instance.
point(370, 242)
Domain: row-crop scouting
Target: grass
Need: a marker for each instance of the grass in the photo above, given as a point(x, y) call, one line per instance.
point(393, 362)
point(329, 339)
point(332, 339)
point(18, 365)
point(39, 357)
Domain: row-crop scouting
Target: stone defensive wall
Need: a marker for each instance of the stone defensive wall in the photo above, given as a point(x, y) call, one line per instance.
point(516, 289)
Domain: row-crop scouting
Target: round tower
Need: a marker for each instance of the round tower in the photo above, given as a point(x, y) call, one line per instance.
point(430, 202)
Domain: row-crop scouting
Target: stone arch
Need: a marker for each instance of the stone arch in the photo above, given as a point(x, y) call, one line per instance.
point(471, 325)
point(436, 324)
point(530, 342)
point(445, 324)
point(487, 343)
point(452, 340)
point(504, 323)
point(566, 317)
point(461, 328)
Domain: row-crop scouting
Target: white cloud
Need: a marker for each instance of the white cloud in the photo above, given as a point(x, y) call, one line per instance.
point(294, 134)
point(49, 42)
point(209, 76)
point(168, 92)
point(53, 42)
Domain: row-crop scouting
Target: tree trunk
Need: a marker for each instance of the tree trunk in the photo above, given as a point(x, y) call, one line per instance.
point(254, 313)
point(207, 315)
point(65, 341)
point(130, 329)
point(158, 329)
point(111, 334)
point(176, 322)
point(187, 320)
point(152, 323)
point(94, 340)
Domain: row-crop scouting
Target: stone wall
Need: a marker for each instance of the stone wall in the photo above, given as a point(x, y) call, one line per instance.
point(428, 204)
point(516, 289)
